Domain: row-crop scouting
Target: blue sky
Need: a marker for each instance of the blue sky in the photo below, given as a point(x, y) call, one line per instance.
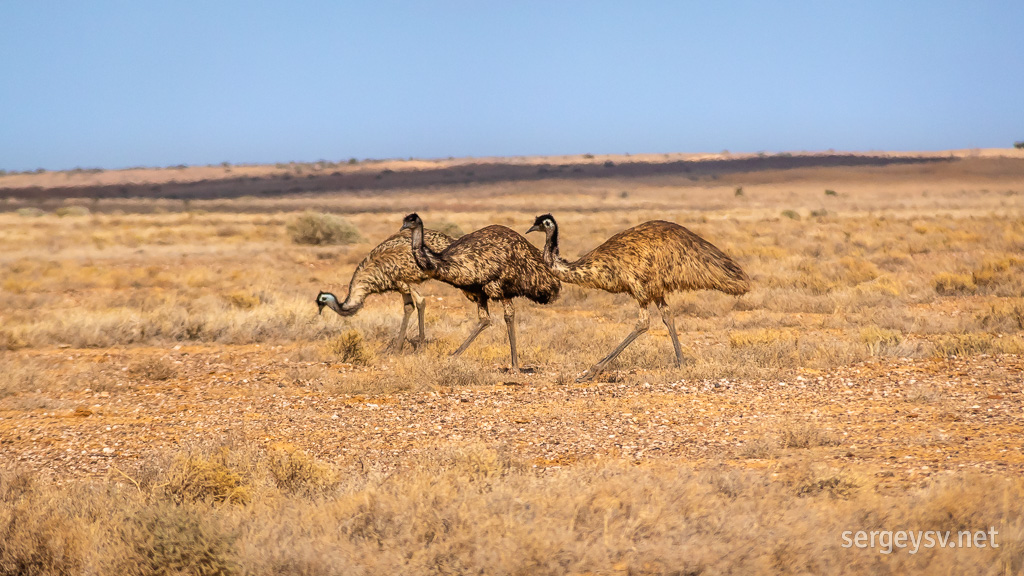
point(118, 84)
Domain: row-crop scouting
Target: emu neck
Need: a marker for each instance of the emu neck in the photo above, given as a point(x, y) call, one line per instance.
point(357, 292)
point(551, 256)
point(425, 258)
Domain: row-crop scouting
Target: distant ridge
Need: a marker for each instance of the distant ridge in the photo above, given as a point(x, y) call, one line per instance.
point(392, 175)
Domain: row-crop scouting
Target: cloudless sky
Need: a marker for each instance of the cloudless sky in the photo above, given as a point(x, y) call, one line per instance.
point(117, 84)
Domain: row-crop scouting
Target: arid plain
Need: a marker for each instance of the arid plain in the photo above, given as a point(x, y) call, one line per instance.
point(170, 401)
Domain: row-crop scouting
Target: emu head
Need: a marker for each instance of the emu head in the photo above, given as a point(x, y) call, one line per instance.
point(545, 223)
point(325, 299)
point(411, 221)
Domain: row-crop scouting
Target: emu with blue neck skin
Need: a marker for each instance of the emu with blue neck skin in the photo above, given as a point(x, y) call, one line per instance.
point(389, 267)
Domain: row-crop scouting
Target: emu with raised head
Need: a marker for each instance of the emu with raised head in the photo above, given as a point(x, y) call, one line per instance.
point(648, 262)
point(493, 263)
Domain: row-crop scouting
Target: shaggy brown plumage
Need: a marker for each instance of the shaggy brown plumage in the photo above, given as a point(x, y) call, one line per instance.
point(389, 267)
point(647, 262)
point(493, 263)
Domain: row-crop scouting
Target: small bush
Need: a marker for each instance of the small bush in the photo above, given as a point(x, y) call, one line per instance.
point(996, 272)
point(879, 340)
point(242, 299)
point(977, 343)
point(833, 486)
point(38, 533)
point(451, 229)
point(998, 316)
point(296, 472)
point(350, 347)
point(791, 214)
point(194, 478)
point(948, 283)
point(762, 447)
point(169, 539)
point(11, 341)
point(857, 270)
point(830, 193)
point(72, 211)
point(805, 435)
point(153, 369)
point(319, 229)
point(30, 212)
point(760, 337)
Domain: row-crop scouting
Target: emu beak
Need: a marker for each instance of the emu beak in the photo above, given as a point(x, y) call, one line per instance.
point(406, 226)
point(533, 228)
point(320, 307)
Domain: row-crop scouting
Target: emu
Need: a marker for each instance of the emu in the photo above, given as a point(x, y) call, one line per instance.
point(388, 268)
point(493, 263)
point(647, 262)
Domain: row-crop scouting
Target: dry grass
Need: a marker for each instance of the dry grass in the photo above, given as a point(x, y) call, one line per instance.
point(904, 262)
point(475, 510)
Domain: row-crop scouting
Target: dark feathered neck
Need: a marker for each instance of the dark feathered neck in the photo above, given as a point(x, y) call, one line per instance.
point(426, 259)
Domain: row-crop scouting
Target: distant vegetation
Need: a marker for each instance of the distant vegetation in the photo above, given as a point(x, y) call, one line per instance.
point(313, 228)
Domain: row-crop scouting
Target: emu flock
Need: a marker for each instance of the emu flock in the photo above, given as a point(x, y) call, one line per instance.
point(647, 262)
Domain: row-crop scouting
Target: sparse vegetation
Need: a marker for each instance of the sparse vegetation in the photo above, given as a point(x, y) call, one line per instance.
point(450, 228)
point(440, 511)
point(318, 229)
point(348, 347)
point(171, 402)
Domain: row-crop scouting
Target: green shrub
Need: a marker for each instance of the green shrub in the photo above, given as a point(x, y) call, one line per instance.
point(451, 229)
point(71, 211)
point(30, 212)
point(317, 229)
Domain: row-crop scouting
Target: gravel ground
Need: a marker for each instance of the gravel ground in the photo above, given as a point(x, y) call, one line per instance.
point(898, 420)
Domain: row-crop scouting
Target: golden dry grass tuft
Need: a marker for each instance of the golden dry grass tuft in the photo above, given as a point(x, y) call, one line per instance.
point(296, 472)
point(194, 477)
point(349, 347)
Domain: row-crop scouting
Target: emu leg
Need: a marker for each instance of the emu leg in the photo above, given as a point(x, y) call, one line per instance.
point(408, 308)
point(485, 321)
point(642, 325)
point(670, 323)
point(510, 323)
point(420, 303)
